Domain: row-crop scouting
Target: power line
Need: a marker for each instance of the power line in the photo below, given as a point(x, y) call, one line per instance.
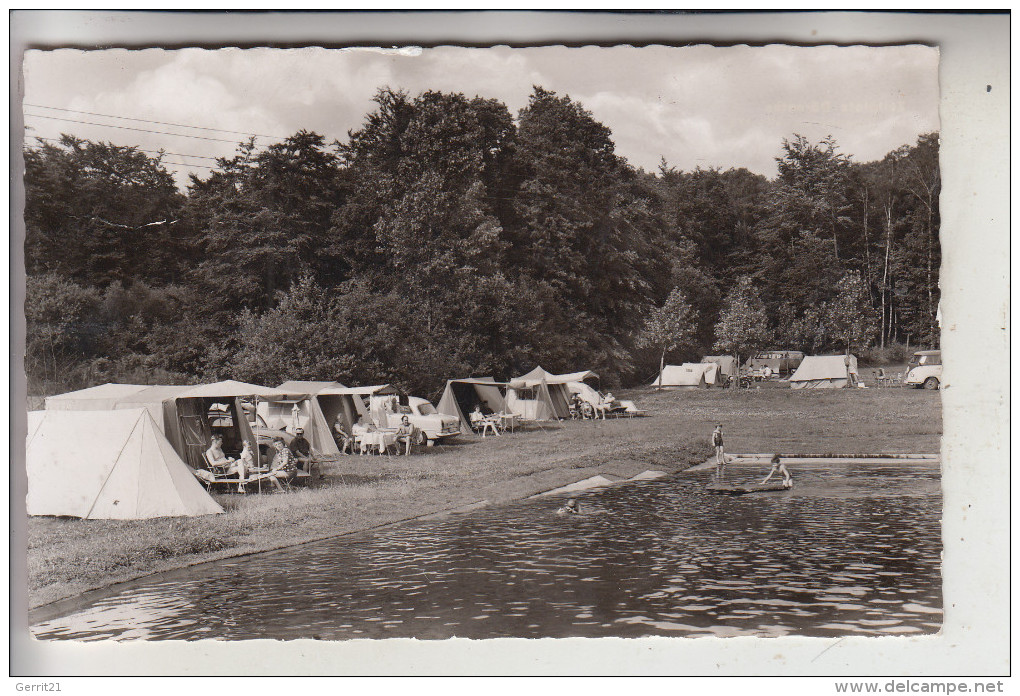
point(130, 128)
point(141, 149)
point(145, 120)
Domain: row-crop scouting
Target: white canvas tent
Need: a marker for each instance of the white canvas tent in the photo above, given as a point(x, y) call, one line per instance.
point(461, 395)
point(108, 465)
point(279, 413)
point(825, 372)
point(541, 395)
point(349, 403)
point(686, 376)
point(727, 365)
point(101, 398)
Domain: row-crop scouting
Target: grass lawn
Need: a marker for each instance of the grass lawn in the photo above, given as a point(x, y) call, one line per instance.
point(67, 557)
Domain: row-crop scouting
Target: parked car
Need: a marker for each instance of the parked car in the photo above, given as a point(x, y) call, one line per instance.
point(431, 424)
point(925, 369)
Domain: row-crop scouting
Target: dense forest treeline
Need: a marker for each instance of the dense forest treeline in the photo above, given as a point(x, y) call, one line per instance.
point(448, 238)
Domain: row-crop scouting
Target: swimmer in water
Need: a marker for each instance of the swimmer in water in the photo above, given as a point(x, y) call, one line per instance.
point(779, 468)
point(571, 508)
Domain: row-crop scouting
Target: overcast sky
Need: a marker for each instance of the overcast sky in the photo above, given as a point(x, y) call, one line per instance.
point(696, 106)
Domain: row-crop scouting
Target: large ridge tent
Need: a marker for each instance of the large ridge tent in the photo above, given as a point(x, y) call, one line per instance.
point(112, 464)
point(541, 395)
point(101, 398)
point(825, 372)
point(727, 364)
point(462, 395)
point(686, 376)
point(305, 397)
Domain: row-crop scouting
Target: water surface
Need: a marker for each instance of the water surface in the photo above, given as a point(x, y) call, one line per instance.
point(854, 548)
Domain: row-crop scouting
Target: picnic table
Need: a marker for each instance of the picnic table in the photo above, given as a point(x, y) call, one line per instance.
point(383, 439)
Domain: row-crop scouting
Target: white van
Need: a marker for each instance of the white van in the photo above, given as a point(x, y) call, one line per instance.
point(925, 369)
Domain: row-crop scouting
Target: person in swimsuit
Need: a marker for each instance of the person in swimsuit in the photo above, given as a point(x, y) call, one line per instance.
point(571, 508)
point(720, 457)
point(779, 468)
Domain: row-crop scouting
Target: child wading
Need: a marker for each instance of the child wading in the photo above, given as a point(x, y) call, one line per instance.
point(720, 458)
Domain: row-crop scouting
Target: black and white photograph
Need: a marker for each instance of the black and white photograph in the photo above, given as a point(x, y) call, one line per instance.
point(437, 342)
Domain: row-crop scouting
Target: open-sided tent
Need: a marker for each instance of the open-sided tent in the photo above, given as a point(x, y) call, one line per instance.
point(349, 403)
point(825, 372)
point(461, 395)
point(111, 464)
point(542, 395)
point(727, 364)
point(686, 376)
point(279, 413)
point(209, 408)
point(101, 398)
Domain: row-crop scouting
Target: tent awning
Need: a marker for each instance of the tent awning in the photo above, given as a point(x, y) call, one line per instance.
point(231, 388)
point(360, 391)
point(306, 386)
point(539, 375)
point(486, 381)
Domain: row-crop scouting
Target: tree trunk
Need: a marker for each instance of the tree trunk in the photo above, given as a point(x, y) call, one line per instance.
point(662, 365)
point(932, 328)
point(885, 273)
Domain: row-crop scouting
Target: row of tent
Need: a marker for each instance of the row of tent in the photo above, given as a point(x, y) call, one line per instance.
point(812, 372)
point(127, 451)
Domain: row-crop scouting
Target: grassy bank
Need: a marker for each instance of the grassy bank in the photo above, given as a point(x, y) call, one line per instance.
point(67, 556)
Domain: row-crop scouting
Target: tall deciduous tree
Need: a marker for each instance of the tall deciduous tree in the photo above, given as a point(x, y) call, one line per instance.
point(850, 316)
point(97, 213)
point(670, 327)
point(743, 327)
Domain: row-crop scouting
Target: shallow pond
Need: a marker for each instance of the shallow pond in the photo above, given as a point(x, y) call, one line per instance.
point(854, 548)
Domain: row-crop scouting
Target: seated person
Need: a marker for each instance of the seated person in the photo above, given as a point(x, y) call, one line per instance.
point(301, 448)
point(779, 467)
point(406, 433)
point(343, 438)
point(360, 429)
point(245, 463)
point(215, 456)
point(476, 416)
point(282, 467)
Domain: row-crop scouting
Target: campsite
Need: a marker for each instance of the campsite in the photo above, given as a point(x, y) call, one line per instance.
point(67, 556)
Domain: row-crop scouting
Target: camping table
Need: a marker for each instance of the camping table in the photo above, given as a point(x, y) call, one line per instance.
point(383, 439)
point(507, 421)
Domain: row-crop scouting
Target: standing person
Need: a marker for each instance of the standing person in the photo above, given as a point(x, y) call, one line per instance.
point(779, 468)
point(720, 457)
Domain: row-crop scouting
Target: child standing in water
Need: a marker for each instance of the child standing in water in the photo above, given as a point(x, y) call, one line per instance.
point(720, 458)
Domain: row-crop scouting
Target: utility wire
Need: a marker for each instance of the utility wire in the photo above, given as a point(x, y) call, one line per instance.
point(162, 123)
point(130, 128)
point(140, 149)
